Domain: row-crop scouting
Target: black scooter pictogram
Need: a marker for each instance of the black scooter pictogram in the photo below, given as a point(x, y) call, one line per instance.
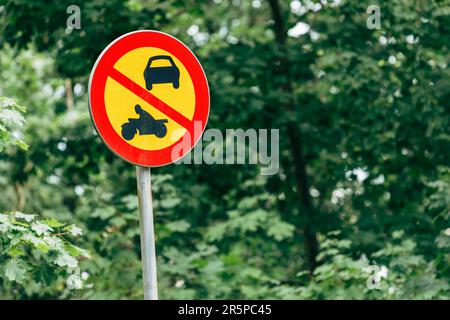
point(145, 124)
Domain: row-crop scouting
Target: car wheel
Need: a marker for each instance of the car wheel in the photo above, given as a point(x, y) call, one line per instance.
point(176, 84)
point(149, 86)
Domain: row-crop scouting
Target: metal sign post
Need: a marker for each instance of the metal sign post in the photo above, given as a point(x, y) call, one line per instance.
point(148, 252)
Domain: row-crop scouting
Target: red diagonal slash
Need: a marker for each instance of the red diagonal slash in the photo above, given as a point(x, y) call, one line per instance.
point(151, 99)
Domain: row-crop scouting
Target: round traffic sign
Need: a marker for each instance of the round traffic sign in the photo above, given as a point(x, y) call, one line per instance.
point(148, 98)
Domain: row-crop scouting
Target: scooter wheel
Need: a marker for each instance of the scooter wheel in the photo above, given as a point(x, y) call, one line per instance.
point(128, 131)
point(161, 132)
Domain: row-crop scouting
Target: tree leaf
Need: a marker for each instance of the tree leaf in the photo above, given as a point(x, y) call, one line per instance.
point(15, 270)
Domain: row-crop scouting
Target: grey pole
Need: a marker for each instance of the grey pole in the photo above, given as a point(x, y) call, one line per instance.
point(144, 186)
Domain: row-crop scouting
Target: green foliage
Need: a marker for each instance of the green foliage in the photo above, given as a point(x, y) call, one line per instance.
point(11, 120)
point(35, 254)
point(38, 255)
point(395, 272)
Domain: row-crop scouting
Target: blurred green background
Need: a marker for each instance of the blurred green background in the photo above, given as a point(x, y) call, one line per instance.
point(359, 209)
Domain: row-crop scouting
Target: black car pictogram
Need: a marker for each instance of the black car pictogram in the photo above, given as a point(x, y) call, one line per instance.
point(154, 75)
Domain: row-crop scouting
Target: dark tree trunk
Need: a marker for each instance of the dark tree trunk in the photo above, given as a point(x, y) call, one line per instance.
point(295, 139)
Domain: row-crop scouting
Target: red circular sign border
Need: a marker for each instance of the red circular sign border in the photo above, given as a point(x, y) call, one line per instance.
point(97, 82)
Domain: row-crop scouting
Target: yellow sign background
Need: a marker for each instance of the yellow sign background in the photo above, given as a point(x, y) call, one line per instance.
point(120, 102)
